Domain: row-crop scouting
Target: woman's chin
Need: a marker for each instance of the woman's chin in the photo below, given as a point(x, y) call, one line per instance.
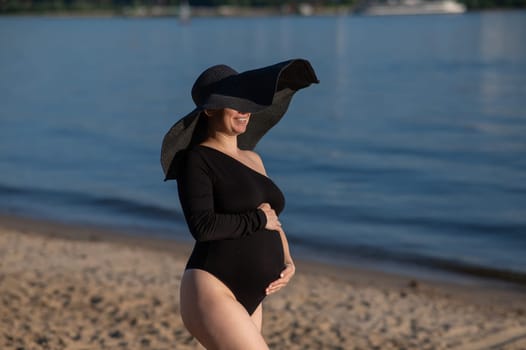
point(239, 130)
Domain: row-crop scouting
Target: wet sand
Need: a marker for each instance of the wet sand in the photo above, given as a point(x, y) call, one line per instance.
point(78, 287)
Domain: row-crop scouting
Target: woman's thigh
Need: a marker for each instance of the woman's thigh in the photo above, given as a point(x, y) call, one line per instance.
point(211, 313)
point(257, 317)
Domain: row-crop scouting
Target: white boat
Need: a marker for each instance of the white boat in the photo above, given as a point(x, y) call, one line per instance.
point(413, 7)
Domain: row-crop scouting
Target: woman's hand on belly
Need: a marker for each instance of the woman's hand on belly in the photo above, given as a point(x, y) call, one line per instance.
point(283, 280)
point(273, 223)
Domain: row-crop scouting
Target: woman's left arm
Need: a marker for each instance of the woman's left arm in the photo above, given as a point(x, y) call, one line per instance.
point(289, 270)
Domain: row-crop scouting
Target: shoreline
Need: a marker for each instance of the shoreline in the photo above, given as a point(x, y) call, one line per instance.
point(167, 242)
point(160, 239)
point(152, 240)
point(66, 286)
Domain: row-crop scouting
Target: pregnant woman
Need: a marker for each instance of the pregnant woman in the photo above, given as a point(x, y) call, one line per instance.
point(231, 206)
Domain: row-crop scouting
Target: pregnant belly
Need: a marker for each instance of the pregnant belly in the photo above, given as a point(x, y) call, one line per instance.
point(250, 263)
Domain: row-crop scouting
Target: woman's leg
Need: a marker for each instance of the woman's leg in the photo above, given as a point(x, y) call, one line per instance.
point(257, 317)
point(211, 313)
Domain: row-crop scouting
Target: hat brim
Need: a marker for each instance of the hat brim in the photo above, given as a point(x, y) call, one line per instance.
point(265, 92)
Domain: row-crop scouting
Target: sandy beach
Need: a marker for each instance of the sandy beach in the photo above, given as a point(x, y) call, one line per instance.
point(74, 287)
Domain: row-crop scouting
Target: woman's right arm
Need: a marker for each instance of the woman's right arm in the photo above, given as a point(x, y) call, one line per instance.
point(197, 201)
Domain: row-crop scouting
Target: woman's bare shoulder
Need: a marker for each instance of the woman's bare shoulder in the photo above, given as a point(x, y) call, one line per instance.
point(256, 160)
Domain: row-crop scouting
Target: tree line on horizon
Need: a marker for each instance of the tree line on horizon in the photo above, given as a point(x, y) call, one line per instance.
point(36, 6)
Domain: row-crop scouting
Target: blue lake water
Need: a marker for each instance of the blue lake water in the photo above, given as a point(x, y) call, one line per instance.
point(412, 149)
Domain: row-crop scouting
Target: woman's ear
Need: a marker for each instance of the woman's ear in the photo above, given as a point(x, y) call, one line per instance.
point(208, 112)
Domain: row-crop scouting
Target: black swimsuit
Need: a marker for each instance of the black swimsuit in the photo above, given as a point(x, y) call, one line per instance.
point(219, 196)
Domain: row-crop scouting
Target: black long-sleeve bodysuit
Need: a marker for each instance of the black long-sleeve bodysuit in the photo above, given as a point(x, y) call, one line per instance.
point(219, 196)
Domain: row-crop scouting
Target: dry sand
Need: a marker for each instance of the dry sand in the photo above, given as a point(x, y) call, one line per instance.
point(68, 287)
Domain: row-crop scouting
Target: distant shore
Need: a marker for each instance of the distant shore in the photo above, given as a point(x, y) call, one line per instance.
point(301, 10)
point(195, 11)
point(78, 287)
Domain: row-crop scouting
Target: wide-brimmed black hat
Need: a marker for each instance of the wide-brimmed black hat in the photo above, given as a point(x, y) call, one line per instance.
point(265, 92)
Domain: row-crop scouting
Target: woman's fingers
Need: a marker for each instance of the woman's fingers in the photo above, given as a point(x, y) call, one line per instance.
point(284, 279)
point(272, 218)
point(276, 285)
